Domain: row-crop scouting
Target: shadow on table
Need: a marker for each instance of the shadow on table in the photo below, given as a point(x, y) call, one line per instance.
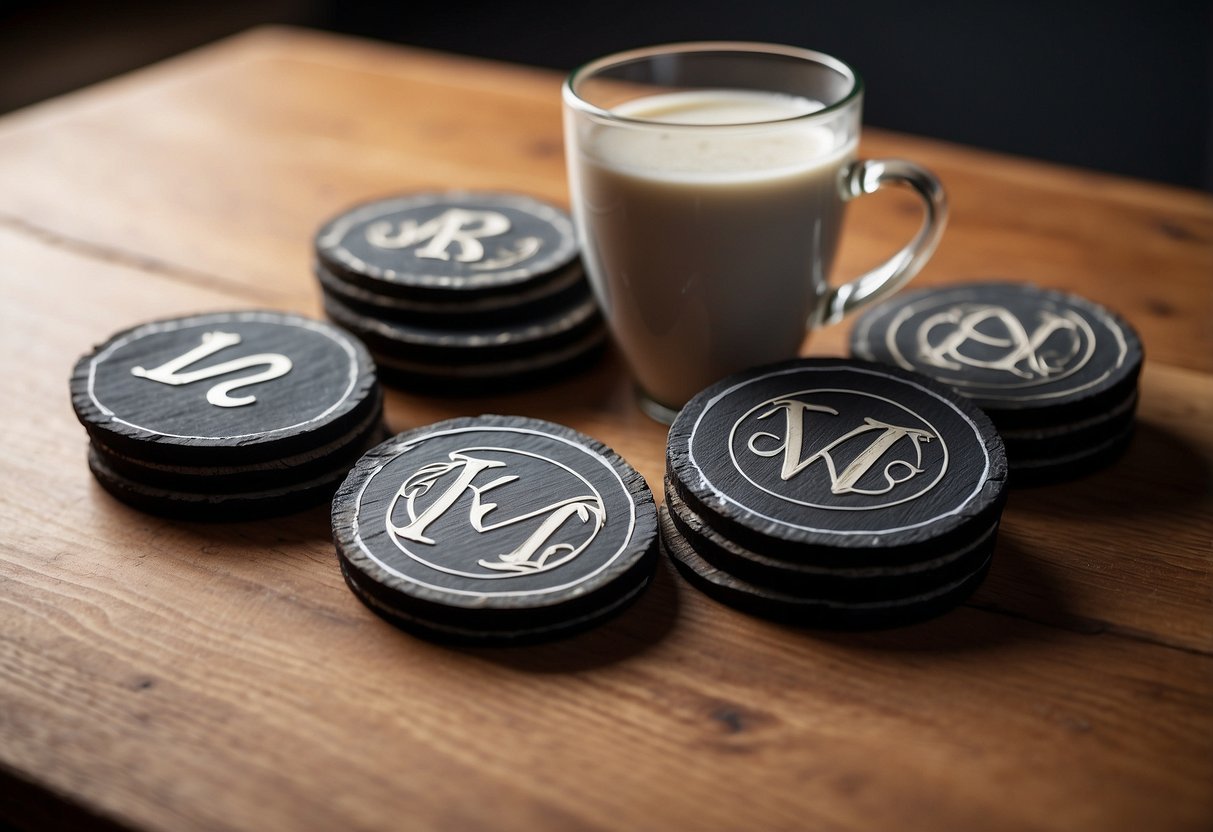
point(1017, 590)
point(1159, 472)
point(311, 525)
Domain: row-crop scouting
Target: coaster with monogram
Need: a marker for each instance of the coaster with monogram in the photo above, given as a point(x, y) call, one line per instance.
point(1056, 373)
point(495, 529)
point(460, 291)
point(227, 415)
point(833, 493)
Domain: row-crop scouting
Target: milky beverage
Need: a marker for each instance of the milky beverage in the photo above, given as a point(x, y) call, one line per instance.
point(709, 247)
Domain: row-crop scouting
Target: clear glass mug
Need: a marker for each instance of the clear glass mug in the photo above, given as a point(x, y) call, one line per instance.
point(708, 185)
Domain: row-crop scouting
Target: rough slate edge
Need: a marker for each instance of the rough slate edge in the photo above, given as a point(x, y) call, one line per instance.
point(829, 583)
point(217, 507)
point(426, 287)
point(517, 339)
point(562, 290)
point(1028, 473)
point(776, 540)
point(1067, 440)
point(483, 614)
point(270, 474)
point(808, 612)
point(495, 634)
point(139, 444)
point(492, 377)
point(1009, 414)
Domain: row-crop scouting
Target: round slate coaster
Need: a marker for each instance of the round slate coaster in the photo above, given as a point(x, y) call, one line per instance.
point(230, 388)
point(808, 576)
point(1078, 462)
point(494, 528)
point(508, 340)
point(1025, 355)
point(875, 462)
point(484, 377)
point(563, 290)
point(1069, 439)
point(462, 243)
point(478, 361)
point(308, 489)
point(807, 610)
point(340, 454)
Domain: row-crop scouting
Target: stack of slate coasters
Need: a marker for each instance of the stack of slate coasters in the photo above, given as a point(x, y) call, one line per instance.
point(460, 292)
point(227, 415)
point(833, 493)
point(495, 529)
point(1056, 373)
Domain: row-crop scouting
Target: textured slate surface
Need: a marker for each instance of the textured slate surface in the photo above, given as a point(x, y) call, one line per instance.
point(1027, 356)
point(457, 244)
point(312, 385)
point(838, 454)
point(494, 525)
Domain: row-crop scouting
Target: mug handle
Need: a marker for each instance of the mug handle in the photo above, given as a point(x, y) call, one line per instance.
point(867, 176)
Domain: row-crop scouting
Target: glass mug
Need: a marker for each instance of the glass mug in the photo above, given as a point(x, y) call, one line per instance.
point(708, 184)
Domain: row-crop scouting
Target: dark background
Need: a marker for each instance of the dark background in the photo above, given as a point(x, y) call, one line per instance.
point(1119, 85)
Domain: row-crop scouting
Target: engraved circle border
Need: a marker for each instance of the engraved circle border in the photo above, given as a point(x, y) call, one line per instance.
point(403, 447)
point(720, 495)
point(493, 577)
point(938, 435)
point(332, 239)
point(243, 317)
point(990, 391)
point(1071, 314)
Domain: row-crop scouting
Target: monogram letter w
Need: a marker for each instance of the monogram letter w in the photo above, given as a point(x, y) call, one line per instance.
point(791, 447)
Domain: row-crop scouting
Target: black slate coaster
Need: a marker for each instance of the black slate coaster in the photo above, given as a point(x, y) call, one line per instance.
point(562, 290)
point(1078, 462)
point(875, 463)
point(231, 388)
point(474, 361)
point(494, 529)
point(289, 494)
point(820, 575)
point(483, 378)
point(1069, 441)
point(437, 245)
point(507, 340)
point(806, 610)
point(281, 473)
point(1029, 357)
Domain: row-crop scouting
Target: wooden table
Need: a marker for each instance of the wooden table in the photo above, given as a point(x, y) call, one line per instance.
point(173, 676)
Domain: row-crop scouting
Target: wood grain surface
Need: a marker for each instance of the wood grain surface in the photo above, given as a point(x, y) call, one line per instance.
point(160, 675)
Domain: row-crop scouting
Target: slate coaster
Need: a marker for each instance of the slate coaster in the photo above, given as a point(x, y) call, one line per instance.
point(238, 501)
point(563, 290)
point(1080, 460)
point(858, 464)
point(338, 455)
point(428, 343)
point(494, 529)
point(1029, 357)
point(230, 388)
point(464, 244)
point(807, 610)
point(828, 578)
point(481, 360)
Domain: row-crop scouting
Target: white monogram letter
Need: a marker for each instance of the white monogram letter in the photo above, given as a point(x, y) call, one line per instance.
point(576, 520)
point(455, 227)
point(1017, 344)
point(170, 372)
point(792, 446)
